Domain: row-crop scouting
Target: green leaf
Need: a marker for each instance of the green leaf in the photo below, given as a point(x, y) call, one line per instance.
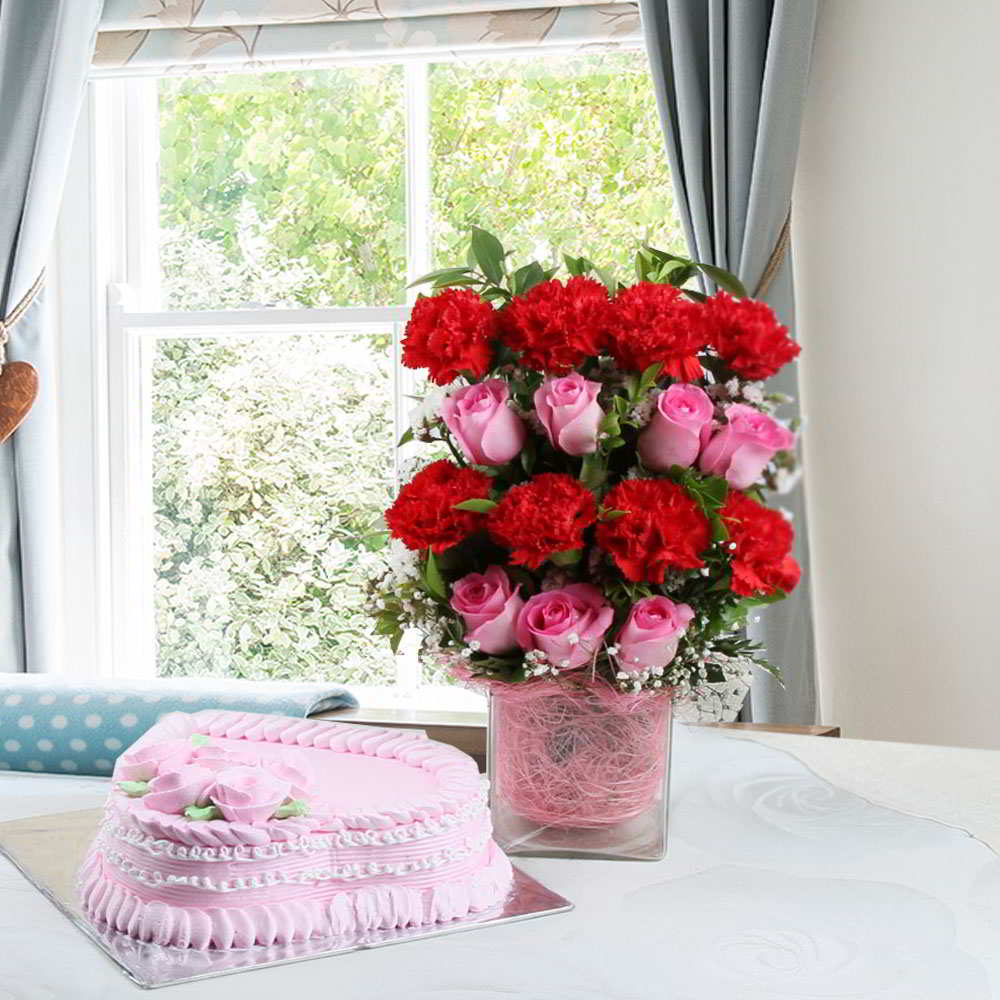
point(405, 438)
point(577, 266)
point(724, 279)
point(695, 295)
point(649, 376)
point(525, 278)
point(609, 281)
point(203, 812)
point(592, 471)
point(612, 514)
point(133, 789)
point(446, 273)
point(528, 455)
point(395, 639)
point(480, 506)
point(433, 580)
point(294, 807)
point(488, 253)
point(610, 424)
point(568, 558)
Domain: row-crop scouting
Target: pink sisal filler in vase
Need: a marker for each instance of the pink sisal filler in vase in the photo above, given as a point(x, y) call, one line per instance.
point(601, 530)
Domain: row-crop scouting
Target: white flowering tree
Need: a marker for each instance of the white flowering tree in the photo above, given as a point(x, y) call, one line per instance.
point(272, 456)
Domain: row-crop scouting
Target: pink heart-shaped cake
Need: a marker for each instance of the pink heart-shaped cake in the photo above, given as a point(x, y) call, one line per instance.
point(229, 829)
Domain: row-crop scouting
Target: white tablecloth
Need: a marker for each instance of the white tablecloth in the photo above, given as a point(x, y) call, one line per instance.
point(777, 886)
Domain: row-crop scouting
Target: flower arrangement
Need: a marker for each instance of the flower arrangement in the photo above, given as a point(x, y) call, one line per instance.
point(602, 510)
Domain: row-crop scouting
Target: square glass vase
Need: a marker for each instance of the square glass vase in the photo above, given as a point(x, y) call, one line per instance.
point(579, 771)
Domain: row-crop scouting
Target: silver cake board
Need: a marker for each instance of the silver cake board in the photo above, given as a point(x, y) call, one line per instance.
point(48, 851)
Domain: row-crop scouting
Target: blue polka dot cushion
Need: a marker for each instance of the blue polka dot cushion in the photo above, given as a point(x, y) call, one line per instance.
point(66, 726)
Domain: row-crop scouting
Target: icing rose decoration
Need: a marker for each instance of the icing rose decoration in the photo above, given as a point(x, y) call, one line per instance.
point(248, 794)
point(650, 635)
point(683, 415)
point(568, 409)
point(741, 448)
point(487, 429)
point(142, 763)
point(567, 625)
point(489, 607)
point(174, 790)
point(217, 758)
point(294, 768)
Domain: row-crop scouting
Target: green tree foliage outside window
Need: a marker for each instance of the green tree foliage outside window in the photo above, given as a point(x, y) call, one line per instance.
point(272, 454)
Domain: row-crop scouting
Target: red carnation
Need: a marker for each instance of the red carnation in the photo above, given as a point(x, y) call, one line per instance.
point(657, 323)
point(424, 514)
point(748, 337)
point(662, 528)
point(545, 515)
point(761, 561)
point(450, 334)
point(556, 326)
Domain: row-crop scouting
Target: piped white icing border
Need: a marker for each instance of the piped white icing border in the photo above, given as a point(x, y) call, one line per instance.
point(346, 912)
point(154, 878)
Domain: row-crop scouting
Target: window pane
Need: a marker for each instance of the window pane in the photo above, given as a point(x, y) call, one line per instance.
point(272, 463)
point(555, 153)
point(283, 189)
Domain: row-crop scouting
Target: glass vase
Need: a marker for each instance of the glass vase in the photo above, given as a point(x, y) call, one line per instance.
point(579, 770)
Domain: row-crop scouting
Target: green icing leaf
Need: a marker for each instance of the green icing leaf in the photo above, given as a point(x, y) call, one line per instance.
point(294, 807)
point(203, 812)
point(199, 739)
point(134, 788)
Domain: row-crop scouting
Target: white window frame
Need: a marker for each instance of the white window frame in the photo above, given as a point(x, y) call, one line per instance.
point(105, 269)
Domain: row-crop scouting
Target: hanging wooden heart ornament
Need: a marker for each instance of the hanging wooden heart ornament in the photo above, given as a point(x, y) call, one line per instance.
point(18, 390)
point(18, 379)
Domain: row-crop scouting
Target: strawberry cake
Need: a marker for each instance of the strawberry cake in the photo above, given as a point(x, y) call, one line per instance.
point(229, 829)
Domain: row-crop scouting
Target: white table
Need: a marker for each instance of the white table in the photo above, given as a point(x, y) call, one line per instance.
point(778, 886)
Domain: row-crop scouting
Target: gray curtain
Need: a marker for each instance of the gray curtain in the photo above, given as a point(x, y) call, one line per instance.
point(730, 79)
point(45, 52)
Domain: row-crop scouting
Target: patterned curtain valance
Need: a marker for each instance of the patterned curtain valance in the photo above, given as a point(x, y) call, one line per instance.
point(167, 36)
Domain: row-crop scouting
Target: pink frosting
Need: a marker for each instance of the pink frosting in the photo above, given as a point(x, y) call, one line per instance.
point(489, 607)
point(568, 409)
point(674, 434)
point(741, 448)
point(567, 625)
point(487, 429)
point(650, 635)
point(400, 837)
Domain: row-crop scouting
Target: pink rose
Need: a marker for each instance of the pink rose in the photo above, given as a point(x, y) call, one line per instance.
point(173, 791)
point(141, 763)
point(567, 407)
point(673, 436)
point(488, 430)
point(567, 625)
point(490, 608)
point(248, 794)
point(741, 448)
point(651, 632)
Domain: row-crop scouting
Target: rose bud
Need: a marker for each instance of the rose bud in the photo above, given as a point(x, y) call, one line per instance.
point(173, 791)
point(740, 449)
point(143, 762)
point(248, 794)
point(487, 429)
point(567, 625)
point(568, 409)
point(673, 436)
point(489, 608)
point(649, 637)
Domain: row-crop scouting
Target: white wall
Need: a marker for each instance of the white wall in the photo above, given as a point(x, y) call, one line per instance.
point(897, 252)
